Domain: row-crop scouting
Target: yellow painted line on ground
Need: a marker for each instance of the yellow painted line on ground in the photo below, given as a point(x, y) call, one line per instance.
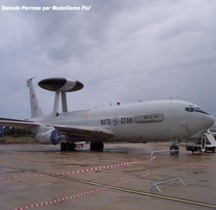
point(165, 197)
point(181, 200)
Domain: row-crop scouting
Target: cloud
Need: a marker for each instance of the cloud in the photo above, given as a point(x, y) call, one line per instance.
point(121, 51)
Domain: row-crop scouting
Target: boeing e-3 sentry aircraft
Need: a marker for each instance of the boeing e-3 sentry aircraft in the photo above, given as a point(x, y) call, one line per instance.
point(160, 120)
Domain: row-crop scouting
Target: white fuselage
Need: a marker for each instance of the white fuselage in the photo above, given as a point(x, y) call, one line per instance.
point(145, 121)
point(160, 120)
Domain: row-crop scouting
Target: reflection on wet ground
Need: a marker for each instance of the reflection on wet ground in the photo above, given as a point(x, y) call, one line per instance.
point(119, 178)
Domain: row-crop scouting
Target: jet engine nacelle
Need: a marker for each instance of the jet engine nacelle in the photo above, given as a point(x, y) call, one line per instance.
point(48, 137)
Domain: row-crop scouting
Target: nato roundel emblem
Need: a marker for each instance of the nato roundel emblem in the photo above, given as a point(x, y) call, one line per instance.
point(55, 137)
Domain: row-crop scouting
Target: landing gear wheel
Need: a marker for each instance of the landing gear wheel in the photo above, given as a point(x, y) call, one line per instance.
point(67, 146)
point(72, 147)
point(174, 150)
point(97, 146)
point(62, 146)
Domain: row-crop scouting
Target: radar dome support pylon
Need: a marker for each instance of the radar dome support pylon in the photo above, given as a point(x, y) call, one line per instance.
point(60, 86)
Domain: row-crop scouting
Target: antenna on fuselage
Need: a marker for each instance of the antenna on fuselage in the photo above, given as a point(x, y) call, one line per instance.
point(60, 86)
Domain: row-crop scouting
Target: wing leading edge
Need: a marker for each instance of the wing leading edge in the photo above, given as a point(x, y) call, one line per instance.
point(87, 131)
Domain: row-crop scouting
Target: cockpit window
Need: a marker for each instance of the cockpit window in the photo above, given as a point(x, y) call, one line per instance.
point(187, 109)
point(194, 109)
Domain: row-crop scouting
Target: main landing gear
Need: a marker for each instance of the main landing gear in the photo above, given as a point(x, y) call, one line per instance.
point(94, 146)
point(67, 146)
point(97, 146)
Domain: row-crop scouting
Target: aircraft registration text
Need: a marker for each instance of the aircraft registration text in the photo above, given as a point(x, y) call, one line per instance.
point(116, 121)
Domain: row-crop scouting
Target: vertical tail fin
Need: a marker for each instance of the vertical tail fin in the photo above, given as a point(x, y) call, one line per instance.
point(35, 108)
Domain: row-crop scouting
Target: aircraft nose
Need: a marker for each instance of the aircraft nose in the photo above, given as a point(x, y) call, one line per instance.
point(208, 121)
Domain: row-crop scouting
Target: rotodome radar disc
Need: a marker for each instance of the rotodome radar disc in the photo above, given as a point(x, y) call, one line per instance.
point(61, 84)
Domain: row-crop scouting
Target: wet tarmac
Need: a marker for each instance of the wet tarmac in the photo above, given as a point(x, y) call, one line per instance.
point(121, 177)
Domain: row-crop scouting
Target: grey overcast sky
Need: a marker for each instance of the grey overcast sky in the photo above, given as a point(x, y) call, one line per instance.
point(121, 50)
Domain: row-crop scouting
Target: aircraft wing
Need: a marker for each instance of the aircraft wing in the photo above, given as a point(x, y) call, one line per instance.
point(85, 131)
point(75, 130)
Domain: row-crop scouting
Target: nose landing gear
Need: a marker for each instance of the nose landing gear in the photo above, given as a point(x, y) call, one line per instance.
point(174, 149)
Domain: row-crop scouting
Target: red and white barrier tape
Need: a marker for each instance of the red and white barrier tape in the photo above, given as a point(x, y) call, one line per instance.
point(105, 167)
point(80, 194)
point(82, 170)
point(200, 164)
point(23, 176)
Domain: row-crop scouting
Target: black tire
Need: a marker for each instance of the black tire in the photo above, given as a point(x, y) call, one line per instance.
point(97, 146)
point(67, 146)
point(62, 146)
point(172, 150)
point(72, 147)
